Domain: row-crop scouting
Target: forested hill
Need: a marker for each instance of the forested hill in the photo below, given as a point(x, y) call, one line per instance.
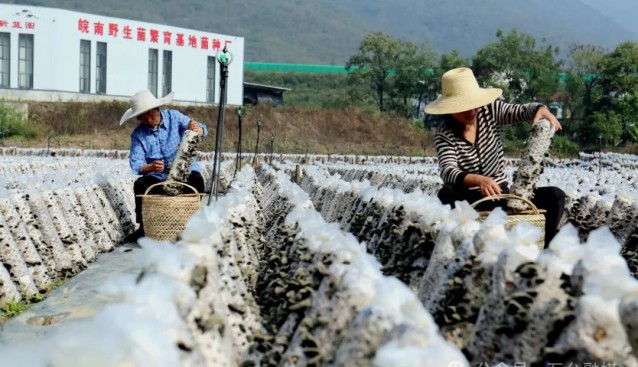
point(329, 31)
point(624, 12)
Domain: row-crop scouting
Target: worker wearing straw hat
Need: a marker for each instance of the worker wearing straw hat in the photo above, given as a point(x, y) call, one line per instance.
point(154, 144)
point(469, 148)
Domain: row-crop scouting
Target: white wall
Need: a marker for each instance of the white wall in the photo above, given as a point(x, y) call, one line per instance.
point(57, 34)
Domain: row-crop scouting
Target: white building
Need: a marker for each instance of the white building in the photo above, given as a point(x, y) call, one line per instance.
point(59, 55)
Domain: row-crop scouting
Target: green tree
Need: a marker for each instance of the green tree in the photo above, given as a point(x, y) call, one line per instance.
point(453, 60)
point(412, 71)
point(514, 63)
point(580, 84)
point(616, 106)
point(584, 75)
point(602, 127)
point(374, 64)
point(391, 70)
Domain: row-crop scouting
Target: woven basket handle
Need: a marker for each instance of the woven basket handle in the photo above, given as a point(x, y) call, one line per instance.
point(506, 196)
point(171, 182)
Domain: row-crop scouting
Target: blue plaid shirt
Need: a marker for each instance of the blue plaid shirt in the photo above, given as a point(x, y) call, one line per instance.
point(149, 145)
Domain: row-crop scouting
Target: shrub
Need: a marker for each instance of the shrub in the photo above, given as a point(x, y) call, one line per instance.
point(12, 124)
point(564, 147)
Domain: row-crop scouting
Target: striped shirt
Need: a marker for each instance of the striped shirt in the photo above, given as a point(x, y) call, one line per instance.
point(458, 157)
point(149, 145)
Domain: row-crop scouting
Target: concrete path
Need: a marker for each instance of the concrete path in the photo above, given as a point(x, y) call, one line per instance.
point(76, 300)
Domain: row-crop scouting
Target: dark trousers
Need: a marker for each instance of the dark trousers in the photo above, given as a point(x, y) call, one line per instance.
point(550, 198)
point(143, 183)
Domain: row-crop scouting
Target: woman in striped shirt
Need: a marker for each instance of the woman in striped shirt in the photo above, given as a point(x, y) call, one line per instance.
point(469, 148)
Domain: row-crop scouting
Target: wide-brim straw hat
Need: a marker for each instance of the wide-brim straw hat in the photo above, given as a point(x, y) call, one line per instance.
point(144, 101)
point(460, 92)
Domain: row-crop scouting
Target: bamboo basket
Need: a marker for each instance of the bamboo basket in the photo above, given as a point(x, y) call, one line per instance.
point(165, 216)
point(534, 216)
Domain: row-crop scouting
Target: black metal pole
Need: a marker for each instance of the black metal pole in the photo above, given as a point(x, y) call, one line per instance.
point(268, 151)
point(600, 155)
point(259, 123)
point(268, 148)
point(239, 119)
point(223, 62)
point(272, 149)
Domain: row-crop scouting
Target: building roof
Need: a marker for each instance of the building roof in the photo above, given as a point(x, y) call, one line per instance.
point(299, 68)
point(264, 86)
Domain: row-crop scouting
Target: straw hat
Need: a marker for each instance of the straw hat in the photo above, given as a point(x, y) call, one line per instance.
point(144, 101)
point(460, 93)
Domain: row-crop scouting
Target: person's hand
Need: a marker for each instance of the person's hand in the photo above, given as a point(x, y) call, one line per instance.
point(488, 186)
point(194, 126)
point(545, 113)
point(157, 166)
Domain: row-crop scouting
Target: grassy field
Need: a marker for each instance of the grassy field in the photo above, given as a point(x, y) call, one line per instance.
point(294, 130)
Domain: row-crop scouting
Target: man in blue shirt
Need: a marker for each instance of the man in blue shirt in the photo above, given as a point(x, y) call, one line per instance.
point(154, 144)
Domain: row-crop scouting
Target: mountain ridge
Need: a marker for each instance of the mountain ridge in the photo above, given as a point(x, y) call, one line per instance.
point(623, 12)
point(329, 31)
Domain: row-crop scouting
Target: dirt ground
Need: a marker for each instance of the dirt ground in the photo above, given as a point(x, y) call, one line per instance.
point(292, 130)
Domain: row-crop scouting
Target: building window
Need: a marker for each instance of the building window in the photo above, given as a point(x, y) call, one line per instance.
point(210, 80)
point(25, 61)
point(85, 66)
point(152, 71)
point(5, 42)
point(100, 68)
point(167, 72)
